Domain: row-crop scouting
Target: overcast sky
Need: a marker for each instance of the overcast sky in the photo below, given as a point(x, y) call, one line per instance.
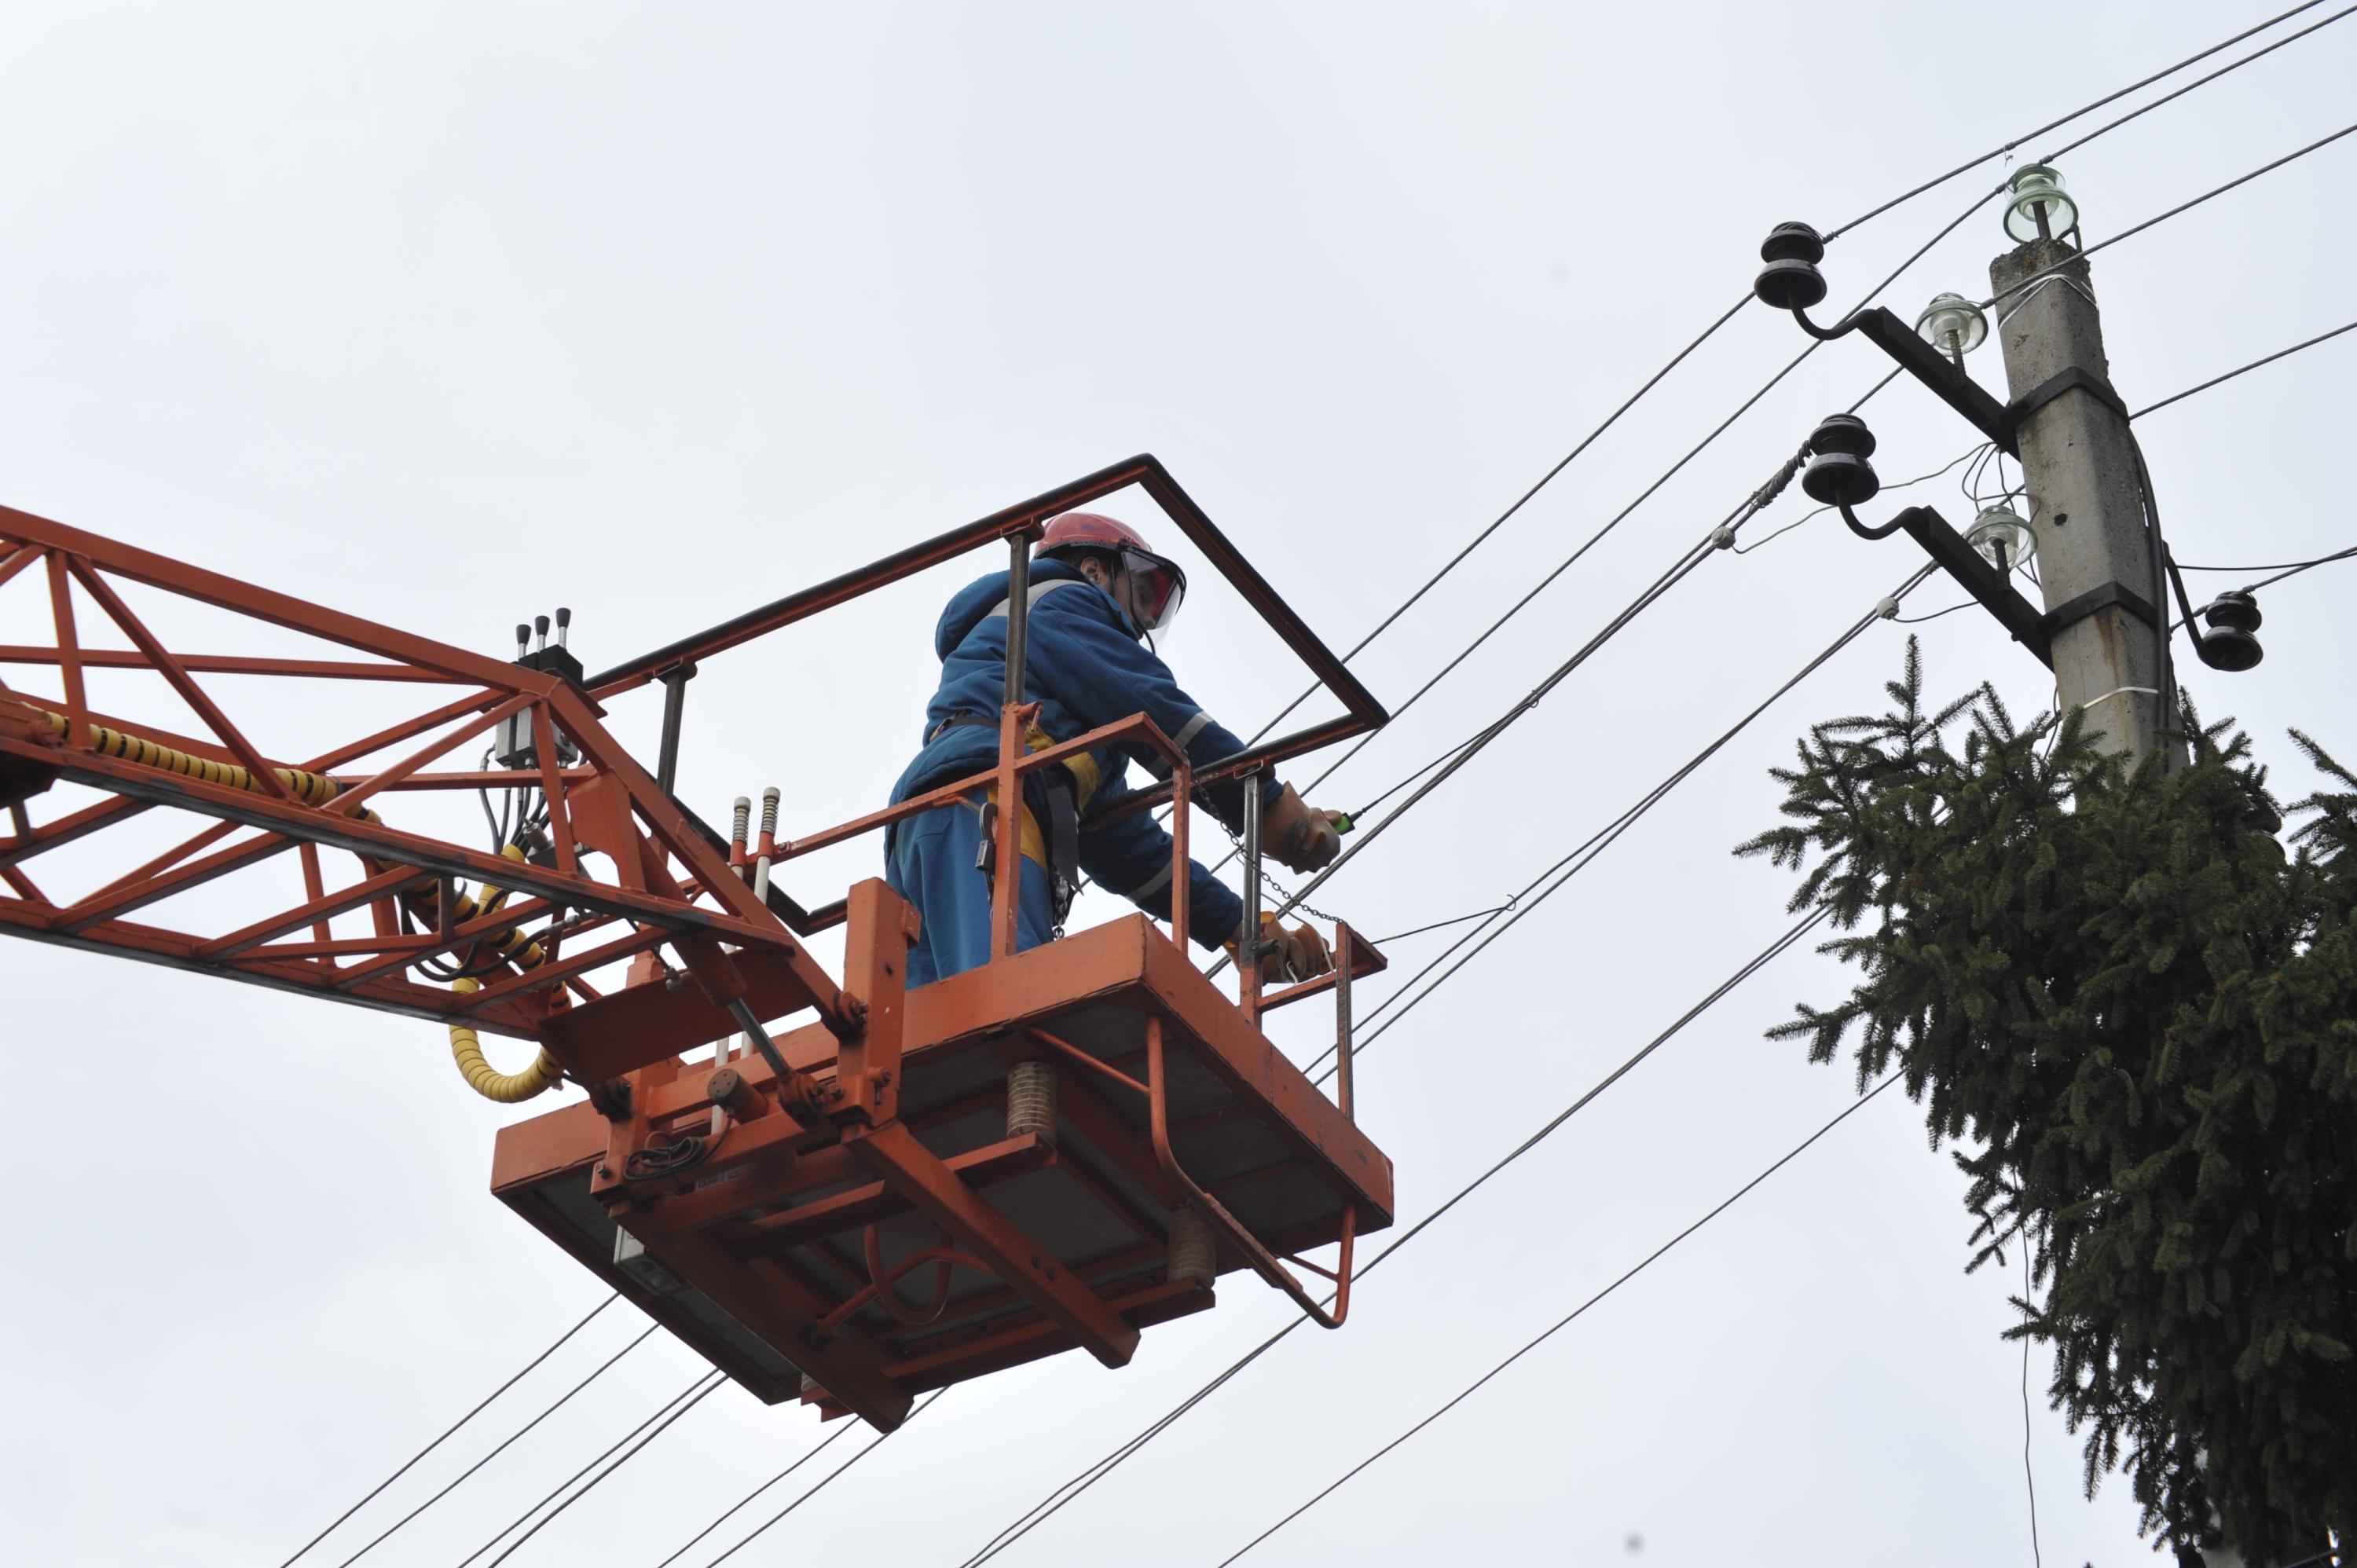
point(443, 316)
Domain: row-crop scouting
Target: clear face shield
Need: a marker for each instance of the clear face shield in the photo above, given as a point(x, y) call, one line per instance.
point(1155, 589)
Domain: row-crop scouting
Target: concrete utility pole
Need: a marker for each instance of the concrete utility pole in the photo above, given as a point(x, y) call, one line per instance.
point(2085, 503)
point(2086, 506)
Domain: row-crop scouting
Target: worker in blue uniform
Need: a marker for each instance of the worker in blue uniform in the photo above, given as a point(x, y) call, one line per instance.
point(1098, 599)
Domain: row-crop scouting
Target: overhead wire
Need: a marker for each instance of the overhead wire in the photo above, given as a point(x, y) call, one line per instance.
point(1684, 567)
point(1721, 536)
point(1754, 503)
point(554, 1346)
point(1553, 877)
point(820, 1485)
point(842, 1430)
point(1520, 501)
point(1566, 1319)
point(706, 1383)
point(1812, 516)
point(1441, 925)
point(2285, 566)
point(1971, 164)
point(1918, 254)
point(2029, 1475)
point(2350, 553)
point(1708, 332)
point(1935, 615)
point(2045, 273)
point(2230, 375)
point(1064, 1494)
point(551, 1409)
point(2229, 68)
point(1687, 565)
point(711, 1385)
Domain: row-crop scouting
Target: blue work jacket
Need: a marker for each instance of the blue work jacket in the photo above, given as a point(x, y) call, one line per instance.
point(1085, 666)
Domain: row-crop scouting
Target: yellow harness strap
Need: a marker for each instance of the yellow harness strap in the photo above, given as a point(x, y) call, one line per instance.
point(1086, 777)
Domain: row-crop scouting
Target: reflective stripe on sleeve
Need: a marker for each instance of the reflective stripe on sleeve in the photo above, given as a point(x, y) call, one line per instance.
point(1150, 886)
point(1190, 729)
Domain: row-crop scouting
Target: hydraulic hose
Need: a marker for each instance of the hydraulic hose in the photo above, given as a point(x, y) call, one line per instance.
point(311, 789)
point(465, 1047)
point(316, 788)
point(506, 1088)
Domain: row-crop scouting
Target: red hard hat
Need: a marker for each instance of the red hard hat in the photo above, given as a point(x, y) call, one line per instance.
point(1159, 584)
point(1091, 530)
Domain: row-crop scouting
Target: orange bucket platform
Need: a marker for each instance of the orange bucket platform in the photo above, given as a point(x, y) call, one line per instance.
point(1083, 1136)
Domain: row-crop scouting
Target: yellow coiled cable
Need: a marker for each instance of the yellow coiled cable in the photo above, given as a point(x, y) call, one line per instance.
point(311, 789)
point(316, 788)
point(465, 1046)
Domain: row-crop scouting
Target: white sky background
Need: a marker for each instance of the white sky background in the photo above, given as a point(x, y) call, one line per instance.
point(444, 317)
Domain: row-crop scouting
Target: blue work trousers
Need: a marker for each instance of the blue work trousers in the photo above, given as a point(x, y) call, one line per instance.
point(931, 863)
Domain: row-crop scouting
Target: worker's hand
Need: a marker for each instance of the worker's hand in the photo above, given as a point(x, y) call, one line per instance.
point(1300, 953)
point(1301, 838)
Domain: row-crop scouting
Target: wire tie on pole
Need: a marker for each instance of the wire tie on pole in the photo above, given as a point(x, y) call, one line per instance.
point(2117, 692)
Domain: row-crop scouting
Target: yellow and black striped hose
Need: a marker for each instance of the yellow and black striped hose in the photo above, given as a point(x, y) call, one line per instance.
point(317, 789)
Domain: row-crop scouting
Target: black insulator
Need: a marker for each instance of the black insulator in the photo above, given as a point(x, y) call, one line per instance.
point(1792, 242)
point(1840, 479)
point(1838, 474)
point(2231, 649)
point(1844, 433)
point(2236, 611)
point(1791, 280)
point(2228, 644)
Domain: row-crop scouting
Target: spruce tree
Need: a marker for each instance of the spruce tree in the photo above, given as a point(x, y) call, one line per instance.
point(2131, 1004)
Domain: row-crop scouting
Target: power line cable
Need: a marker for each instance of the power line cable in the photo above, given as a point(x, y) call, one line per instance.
point(823, 1481)
point(1708, 332)
point(1064, 1494)
point(1567, 1319)
point(711, 1385)
point(513, 1524)
point(557, 1345)
point(1720, 538)
point(2350, 553)
point(2029, 1475)
point(1584, 854)
point(2276, 565)
point(2069, 147)
point(1893, 276)
point(1935, 615)
point(505, 1443)
point(2041, 275)
point(1971, 164)
point(1903, 484)
point(1524, 499)
point(2295, 570)
point(1685, 566)
point(2230, 375)
point(1757, 501)
point(845, 1429)
point(1442, 925)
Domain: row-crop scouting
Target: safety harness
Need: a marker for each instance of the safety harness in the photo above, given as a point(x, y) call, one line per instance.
point(1055, 795)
